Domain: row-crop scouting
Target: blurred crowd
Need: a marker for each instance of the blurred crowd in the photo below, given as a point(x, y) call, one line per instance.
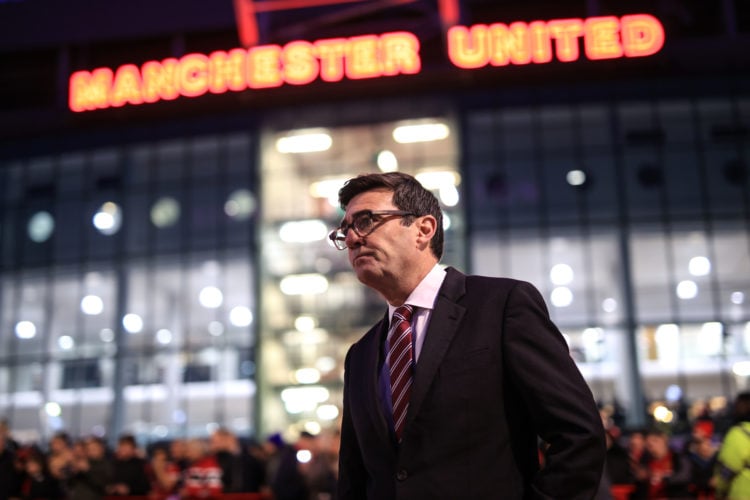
point(87, 469)
point(710, 461)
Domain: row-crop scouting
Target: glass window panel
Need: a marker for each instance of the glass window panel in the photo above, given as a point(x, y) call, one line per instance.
point(651, 275)
point(677, 121)
point(716, 120)
point(557, 131)
point(12, 174)
point(644, 183)
point(32, 316)
point(72, 179)
point(205, 215)
point(725, 180)
point(140, 165)
point(596, 130)
point(204, 158)
point(562, 200)
point(12, 228)
point(238, 155)
point(518, 132)
point(69, 242)
point(682, 182)
point(139, 230)
point(169, 164)
point(692, 264)
point(523, 190)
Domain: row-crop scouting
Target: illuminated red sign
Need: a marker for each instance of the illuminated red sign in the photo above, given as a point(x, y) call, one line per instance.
point(367, 56)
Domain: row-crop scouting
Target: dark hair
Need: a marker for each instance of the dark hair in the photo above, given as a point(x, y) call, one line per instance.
point(408, 195)
point(741, 409)
point(127, 439)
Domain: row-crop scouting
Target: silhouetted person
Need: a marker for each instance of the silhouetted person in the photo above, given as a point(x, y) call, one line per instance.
point(130, 475)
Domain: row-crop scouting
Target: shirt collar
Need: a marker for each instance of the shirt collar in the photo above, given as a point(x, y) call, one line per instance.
point(426, 292)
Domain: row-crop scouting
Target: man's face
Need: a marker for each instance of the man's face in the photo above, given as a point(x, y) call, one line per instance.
point(381, 257)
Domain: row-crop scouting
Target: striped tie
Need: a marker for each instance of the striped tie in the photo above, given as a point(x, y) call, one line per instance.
point(399, 361)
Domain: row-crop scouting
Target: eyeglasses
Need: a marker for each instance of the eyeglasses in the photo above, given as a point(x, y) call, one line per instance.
point(363, 223)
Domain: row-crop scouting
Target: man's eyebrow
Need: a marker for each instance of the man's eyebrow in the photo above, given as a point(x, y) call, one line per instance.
point(355, 215)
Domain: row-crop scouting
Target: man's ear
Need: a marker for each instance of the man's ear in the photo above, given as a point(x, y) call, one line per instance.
point(427, 226)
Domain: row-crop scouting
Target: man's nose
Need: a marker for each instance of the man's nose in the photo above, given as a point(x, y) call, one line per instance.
point(352, 239)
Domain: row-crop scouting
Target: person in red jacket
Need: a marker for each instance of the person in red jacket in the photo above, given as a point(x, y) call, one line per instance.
point(202, 477)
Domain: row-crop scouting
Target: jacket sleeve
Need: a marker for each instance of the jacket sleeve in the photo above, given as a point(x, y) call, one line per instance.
point(556, 398)
point(352, 480)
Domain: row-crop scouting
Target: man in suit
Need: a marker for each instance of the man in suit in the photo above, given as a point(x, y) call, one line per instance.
point(488, 373)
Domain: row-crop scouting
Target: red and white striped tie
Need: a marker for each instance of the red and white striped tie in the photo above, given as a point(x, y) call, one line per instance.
point(399, 361)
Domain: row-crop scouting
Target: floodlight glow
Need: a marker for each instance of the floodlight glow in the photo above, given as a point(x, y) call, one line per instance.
point(304, 284)
point(609, 305)
point(303, 231)
point(132, 323)
point(699, 266)
point(25, 330)
point(164, 336)
point(561, 274)
point(387, 161)
point(420, 132)
point(307, 376)
point(304, 141)
point(240, 316)
point(687, 289)
point(108, 219)
point(327, 412)
point(92, 305)
point(576, 177)
point(561, 296)
point(210, 297)
point(66, 342)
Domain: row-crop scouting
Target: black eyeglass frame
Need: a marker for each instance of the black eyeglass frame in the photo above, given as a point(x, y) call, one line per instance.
point(338, 235)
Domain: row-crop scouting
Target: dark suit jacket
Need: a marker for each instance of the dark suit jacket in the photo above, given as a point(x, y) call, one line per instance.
point(494, 374)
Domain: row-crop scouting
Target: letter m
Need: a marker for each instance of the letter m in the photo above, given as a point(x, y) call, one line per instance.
point(88, 91)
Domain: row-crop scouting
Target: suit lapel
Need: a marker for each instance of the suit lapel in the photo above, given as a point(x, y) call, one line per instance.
point(444, 323)
point(371, 364)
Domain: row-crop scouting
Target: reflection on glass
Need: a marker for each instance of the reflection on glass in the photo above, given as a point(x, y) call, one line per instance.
point(216, 328)
point(240, 205)
point(240, 316)
point(303, 231)
point(561, 274)
point(304, 141)
point(92, 305)
point(304, 398)
point(165, 212)
point(211, 297)
point(576, 177)
point(699, 266)
point(386, 161)
point(307, 376)
point(327, 412)
point(710, 338)
point(132, 323)
point(561, 296)
point(687, 289)
point(106, 335)
point(328, 189)
point(609, 305)
point(420, 131)
point(40, 227)
point(163, 336)
point(304, 284)
point(25, 330)
point(108, 219)
point(66, 342)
